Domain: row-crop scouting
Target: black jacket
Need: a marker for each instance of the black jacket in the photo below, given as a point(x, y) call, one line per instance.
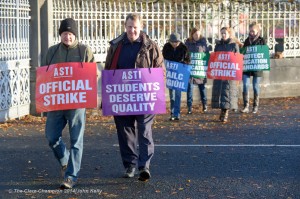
point(180, 54)
point(258, 41)
point(225, 92)
point(226, 45)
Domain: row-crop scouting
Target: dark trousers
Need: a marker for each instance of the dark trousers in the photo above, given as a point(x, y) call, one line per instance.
point(189, 94)
point(134, 130)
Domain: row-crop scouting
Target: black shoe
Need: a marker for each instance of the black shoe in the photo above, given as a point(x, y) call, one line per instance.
point(144, 174)
point(129, 172)
point(189, 110)
point(225, 116)
point(204, 109)
point(222, 114)
point(172, 118)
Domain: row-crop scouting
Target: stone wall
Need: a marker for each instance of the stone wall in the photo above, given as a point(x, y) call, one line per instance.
point(283, 80)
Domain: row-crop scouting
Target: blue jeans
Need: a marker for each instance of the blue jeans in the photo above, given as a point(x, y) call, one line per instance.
point(175, 102)
point(255, 83)
point(56, 122)
point(189, 94)
point(135, 139)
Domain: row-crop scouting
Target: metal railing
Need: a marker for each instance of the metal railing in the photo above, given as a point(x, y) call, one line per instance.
point(14, 59)
point(101, 21)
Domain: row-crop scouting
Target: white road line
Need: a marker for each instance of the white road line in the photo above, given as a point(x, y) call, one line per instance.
point(221, 145)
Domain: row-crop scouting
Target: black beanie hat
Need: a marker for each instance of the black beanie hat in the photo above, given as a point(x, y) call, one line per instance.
point(68, 25)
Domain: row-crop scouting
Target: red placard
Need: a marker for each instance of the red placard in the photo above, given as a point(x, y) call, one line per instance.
point(225, 66)
point(64, 86)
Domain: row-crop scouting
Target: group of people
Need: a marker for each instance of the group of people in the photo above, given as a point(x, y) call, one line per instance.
point(134, 49)
point(176, 50)
point(224, 92)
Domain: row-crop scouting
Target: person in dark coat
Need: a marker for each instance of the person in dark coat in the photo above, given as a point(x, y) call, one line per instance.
point(253, 39)
point(196, 43)
point(225, 92)
point(175, 50)
point(134, 49)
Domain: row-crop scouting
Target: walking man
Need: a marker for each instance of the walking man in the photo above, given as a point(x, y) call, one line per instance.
point(68, 50)
point(134, 49)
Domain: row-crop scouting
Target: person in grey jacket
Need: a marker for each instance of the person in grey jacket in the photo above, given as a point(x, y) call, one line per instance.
point(68, 50)
point(225, 92)
point(134, 49)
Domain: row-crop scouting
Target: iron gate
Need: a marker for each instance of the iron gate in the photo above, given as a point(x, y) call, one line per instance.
point(14, 59)
point(100, 21)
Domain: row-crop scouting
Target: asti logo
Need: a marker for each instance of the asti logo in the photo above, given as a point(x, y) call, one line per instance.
point(64, 71)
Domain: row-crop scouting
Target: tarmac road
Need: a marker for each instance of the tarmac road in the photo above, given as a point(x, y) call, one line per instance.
point(252, 156)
